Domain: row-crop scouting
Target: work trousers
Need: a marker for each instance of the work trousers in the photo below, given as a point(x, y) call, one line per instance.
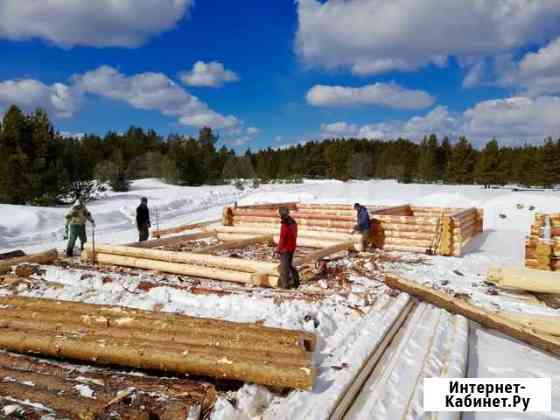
point(76, 231)
point(289, 276)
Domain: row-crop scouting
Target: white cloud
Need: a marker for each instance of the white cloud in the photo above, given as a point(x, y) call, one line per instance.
point(514, 120)
point(537, 73)
point(99, 23)
point(253, 131)
point(57, 99)
point(212, 74)
point(375, 36)
point(511, 120)
point(152, 91)
point(383, 94)
point(339, 128)
point(69, 134)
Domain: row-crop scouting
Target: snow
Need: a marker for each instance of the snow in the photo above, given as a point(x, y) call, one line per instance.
point(346, 336)
point(85, 391)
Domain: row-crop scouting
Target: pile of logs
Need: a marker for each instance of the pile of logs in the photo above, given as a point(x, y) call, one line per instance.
point(158, 341)
point(543, 254)
point(444, 231)
point(32, 388)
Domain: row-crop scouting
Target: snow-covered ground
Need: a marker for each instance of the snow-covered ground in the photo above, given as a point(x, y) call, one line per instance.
point(348, 327)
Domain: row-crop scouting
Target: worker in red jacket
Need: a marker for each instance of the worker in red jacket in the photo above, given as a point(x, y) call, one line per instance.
point(289, 276)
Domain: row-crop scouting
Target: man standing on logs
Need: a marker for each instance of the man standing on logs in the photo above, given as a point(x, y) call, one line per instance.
point(143, 220)
point(289, 277)
point(76, 220)
point(363, 226)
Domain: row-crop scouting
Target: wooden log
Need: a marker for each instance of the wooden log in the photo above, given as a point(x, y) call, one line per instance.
point(405, 248)
point(540, 324)
point(202, 393)
point(290, 205)
point(298, 216)
point(525, 279)
point(47, 257)
point(125, 317)
point(78, 407)
point(163, 357)
point(197, 338)
point(173, 240)
point(437, 210)
point(248, 266)
point(274, 230)
point(474, 313)
point(407, 219)
point(12, 254)
point(333, 249)
point(255, 278)
point(408, 235)
point(301, 242)
point(233, 244)
point(462, 213)
point(411, 227)
point(178, 229)
point(402, 210)
point(301, 222)
point(552, 301)
point(275, 226)
point(421, 243)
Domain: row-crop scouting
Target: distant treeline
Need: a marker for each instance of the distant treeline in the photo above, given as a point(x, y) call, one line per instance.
point(40, 166)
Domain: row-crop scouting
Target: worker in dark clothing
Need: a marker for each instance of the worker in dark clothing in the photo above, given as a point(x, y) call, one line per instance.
point(143, 220)
point(363, 225)
point(289, 277)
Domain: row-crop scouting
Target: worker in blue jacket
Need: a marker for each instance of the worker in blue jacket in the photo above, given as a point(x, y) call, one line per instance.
point(363, 226)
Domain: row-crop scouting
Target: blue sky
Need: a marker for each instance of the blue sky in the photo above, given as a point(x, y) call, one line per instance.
point(280, 72)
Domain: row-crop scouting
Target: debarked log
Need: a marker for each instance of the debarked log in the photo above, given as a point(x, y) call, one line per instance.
point(275, 227)
point(333, 249)
point(525, 279)
point(474, 313)
point(47, 257)
point(408, 242)
point(254, 278)
point(233, 244)
point(173, 240)
point(406, 248)
point(239, 264)
point(163, 357)
point(407, 234)
point(301, 242)
point(275, 230)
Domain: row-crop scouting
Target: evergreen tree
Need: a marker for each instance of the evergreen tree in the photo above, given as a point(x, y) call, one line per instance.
point(487, 168)
point(549, 164)
point(461, 164)
point(427, 160)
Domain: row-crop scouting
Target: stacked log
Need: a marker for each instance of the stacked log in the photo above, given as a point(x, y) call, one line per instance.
point(464, 225)
point(445, 231)
point(543, 254)
point(187, 263)
point(59, 390)
point(164, 342)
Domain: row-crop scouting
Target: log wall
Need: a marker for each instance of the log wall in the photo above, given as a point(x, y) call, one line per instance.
point(539, 253)
point(443, 231)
